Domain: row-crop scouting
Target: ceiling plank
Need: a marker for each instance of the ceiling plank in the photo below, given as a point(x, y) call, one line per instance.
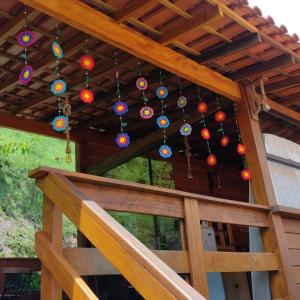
point(200, 20)
point(282, 84)
point(97, 24)
point(259, 69)
point(133, 8)
point(221, 51)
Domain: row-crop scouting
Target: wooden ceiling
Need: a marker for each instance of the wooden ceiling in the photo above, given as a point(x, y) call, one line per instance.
point(230, 38)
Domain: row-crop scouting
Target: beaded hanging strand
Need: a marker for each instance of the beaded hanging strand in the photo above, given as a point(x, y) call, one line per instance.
point(202, 108)
point(146, 112)
point(241, 149)
point(186, 128)
point(120, 108)
point(59, 86)
point(162, 121)
point(87, 64)
point(25, 39)
point(220, 117)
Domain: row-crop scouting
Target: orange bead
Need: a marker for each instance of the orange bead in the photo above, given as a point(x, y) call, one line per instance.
point(211, 160)
point(202, 107)
point(87, 96)
point(246, 175)
point(241, 149)
point(205, 133)
point(224, 141)
point(220, 116)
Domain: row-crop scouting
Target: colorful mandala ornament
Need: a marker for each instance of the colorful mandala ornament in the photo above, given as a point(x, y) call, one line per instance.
point(220, 116)
point(165, 151)
point(205, 133)
point(141, 84)
point(246, 175)
point(241, 149)
point(163, 122)
point(87, 62)
point(87, 96)
point(122, 140)
point(26, 75)
point(26, 38)
point(181, 102)
point(120, 108)
point(224, 141)
point(162, 92)
point(146, 112)
point(202, 107)
point(211, 160)
point(58, 87)
point(60, 123)
point(186, 129)
point(57, 50)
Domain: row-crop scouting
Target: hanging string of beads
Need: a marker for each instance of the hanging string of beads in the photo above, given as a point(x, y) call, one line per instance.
point(120, 108)
point(186, 128)
point(202, 108)
point(220, 117)
point(67, 110)
point(25, 39)
point(58, 87)
point(146, 112)
point(163, 121)
point(241, 149)
point(87, 64)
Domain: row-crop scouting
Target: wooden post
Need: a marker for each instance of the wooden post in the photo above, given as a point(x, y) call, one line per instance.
point(263, 192)
point(52, 227)
point(195, 246)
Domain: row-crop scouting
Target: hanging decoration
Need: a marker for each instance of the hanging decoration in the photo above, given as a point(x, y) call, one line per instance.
point(202, 108)
point(25, 39)
point(58, 87)
point(241, 149)
point(185, 129)
point(87, 64)
point(146, 112)
point(120, 108)
point(67, 112)
point(220, 117)
point(162, 121)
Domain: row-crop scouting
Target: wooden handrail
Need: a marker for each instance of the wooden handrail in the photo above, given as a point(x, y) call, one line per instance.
point(152, 278)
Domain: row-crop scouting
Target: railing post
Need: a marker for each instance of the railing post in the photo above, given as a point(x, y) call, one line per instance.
point(263, 192)
point(52, 227)
point(195, 246)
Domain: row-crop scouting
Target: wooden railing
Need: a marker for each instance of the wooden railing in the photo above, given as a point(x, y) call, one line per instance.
point(84, 199)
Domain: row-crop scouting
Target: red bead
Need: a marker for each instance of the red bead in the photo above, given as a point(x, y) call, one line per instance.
point(205, 133)
point(211, 160)
point(224, 141)
point(87, 96)
point(220, 116)
point(246, 175)
point(87, 62)
point(202, 107)
point(241, 149)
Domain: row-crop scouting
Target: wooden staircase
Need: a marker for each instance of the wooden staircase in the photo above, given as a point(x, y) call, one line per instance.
point(84, 199)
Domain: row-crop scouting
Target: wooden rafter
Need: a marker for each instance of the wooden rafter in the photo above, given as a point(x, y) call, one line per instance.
point(283, 84)
point(101, 26)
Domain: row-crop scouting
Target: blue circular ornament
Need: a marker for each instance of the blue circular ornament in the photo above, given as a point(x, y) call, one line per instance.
point(26, 75)
point(58, 87)
point(186, 129)
point(60, 123)
point(162, 92)
point(26, 38)
point(165, 151)
point(122, 140)
point(163, 122)
point(57, 50)
point(120, 108)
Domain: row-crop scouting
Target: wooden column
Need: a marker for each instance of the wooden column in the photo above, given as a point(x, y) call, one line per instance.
point(52, 227)
point(263, 192)
point(195, 246)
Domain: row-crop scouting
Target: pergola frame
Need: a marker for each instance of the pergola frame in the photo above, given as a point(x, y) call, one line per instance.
point(95, 23)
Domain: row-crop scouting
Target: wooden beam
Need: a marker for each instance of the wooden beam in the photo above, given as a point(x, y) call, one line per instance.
point(199, 21)
point(133, 8)
point(227, 49)
point(60, 269)
point(93, 22)
point(240, 262)
point(19, 265)
point(259, 69)
point(177, 10)
point(285, 113)
point(282, 84)
point(291, 100)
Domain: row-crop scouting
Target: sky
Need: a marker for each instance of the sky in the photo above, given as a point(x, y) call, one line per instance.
point(286, 12)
